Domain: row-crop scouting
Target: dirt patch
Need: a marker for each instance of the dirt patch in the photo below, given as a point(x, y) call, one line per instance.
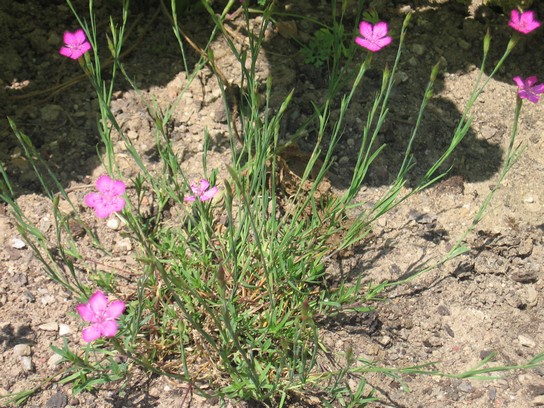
point(487, 300)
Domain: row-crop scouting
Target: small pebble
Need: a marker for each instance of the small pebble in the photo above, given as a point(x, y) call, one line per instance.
point(538, 401)
point(124, 244)
point(492, 394)
point(53, 361)
point(526, 341)
point(58, 400)
point(26, 363)
point(64, 329)
point(465, 386)
point(21, 350)
point(113, 223)
point(47, 300)
point(50, 326)
point(17, 243)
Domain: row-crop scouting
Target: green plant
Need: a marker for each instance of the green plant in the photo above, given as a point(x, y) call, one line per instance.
point(233, 308)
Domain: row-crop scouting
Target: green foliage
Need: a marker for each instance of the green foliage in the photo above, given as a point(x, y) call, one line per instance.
point(323, 45)
point(234, 308)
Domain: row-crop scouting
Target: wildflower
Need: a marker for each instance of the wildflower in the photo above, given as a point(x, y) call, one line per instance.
point(374, 36)
point(527, 88)
point(523, 22)
point(76, 44)
point(102, 316)
point(108, 199)
point(202, 191)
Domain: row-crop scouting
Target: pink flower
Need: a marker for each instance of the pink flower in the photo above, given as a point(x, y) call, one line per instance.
point(108, 200)
point(76, 44)
point(523, 22)
point(201, 191)
point(527, 88)
point(374, 37)
point(101, 315)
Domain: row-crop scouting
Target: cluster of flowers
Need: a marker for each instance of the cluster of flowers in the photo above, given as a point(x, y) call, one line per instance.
point(109, 198)
point(374, 37)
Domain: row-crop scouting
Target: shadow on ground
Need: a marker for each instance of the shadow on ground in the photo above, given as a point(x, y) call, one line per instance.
point(53, 104)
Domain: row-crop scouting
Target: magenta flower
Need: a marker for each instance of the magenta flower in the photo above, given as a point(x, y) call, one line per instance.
point(109, 197)
point(523, 22)
point(374, 37)
point(527, 88)
point(75, 44)
point(101, 315)
point(202, 191)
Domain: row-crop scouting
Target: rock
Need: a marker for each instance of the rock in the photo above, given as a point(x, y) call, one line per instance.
point(538, 401)
point(492, 394)
point(64, 329)
point(113, 223)
point(51, 326)
point(59, 400)
point(51, 113)
point(531, 296)
point(47, 300)
point(526, 341)
point(124, 245)
point(443, 310)
point(26, 363)
point(418, 49)
point(17, 243)
point(53, 361)
point(465, 386)
point(21, 350)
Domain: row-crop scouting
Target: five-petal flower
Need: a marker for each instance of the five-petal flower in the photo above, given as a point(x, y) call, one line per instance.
point(109, 197)
point(374, 36)
point(101, 315)
point(75, 44)
point(527, 88)
point(523, 22)
point(202, 191)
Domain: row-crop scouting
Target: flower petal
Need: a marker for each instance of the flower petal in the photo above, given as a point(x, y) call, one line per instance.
point(98, 302)
point(103, 211)
point(69, 38)
point(109, 328)
point(538, 89)
point(79, 36)
point(66, 52)
point(530, 81)
point(380, 29)
point(519, 82)
point(104, 184)
point(93, 199)
point(116, 204)
point(204, 185)
point(209, 194)
point(115, 309)
point(91, 333)
point(367, 44)
point(86, 312)
point(189, 198)
point(365, 28)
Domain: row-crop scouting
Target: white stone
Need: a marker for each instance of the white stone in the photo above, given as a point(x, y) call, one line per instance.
point(17, 243)
point(526, 341)
point(50, 326)
point(21, 350)
point(53, 361)
point(113, 223)
point(64, 329)
point(26, 363)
